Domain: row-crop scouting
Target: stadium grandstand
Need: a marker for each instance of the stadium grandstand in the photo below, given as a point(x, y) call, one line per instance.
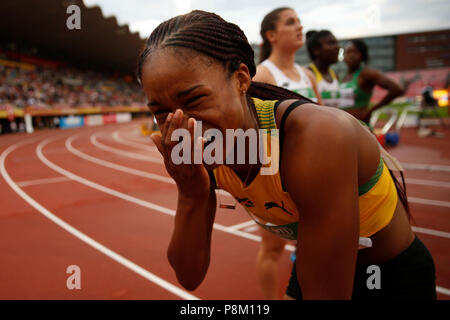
point(48, 72)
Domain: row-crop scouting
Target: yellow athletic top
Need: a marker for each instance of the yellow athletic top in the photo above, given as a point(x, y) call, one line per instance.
point(264, 199)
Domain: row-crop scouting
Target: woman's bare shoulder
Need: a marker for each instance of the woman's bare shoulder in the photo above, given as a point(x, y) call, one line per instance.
point(263, 74)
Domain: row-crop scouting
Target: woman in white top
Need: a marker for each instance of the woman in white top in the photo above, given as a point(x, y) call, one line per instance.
point(281, 31)
point(282, 35)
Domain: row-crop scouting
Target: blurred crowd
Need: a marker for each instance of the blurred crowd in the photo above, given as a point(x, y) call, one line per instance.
point(65, 87)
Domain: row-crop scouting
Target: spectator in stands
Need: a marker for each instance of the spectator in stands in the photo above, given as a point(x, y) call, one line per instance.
point(64, 87)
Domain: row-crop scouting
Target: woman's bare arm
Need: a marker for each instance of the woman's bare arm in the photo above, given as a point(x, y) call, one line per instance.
point(264, 75)
point(377, 78)
point(319, 169)
point(190, 246)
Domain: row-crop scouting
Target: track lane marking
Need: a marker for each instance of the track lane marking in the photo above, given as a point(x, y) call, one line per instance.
point(118, 167)
point(112, 165)
point(123, 153)
point(86, 239)
point(140, 146)
point(71, 149)
point(139, 201)
point(429, 202)
point(431, 183)
point(432, 232)
point(443, 290)
point(42, 181)
point(242, 225)
point(425, 167)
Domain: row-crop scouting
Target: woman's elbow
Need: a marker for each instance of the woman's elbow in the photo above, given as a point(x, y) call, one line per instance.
point(188, 284)
point(398, 91)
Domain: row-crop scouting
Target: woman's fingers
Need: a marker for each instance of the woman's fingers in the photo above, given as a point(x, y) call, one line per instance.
point(199, 147)
point(172, 124)
point(156, 138)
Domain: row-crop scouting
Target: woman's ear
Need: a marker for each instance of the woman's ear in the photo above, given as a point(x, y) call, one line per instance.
point(242, 75)
point(270, 36)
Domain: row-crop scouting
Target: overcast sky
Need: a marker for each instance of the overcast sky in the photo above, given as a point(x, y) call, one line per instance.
point(345, 18)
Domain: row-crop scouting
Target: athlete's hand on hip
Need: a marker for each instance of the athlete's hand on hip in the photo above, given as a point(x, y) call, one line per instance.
point(192, 179)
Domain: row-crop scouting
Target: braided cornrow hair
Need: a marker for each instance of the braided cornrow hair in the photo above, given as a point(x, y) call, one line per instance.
point(214, 37)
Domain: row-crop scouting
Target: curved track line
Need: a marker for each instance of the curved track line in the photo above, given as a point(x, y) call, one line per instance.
point(431, 183)
point(149, 204)
point(118, 167)
point(145, 158)
point(431, 232)
point(443, 290)
point(94, 185)
point(425, 167)
point(136, 136)
point(112, 165)
point(171, 181)
point(126, 197)
point(429, 202)
point(123, 153)
point(41, 181)
point(141, 146)
point(83, 237)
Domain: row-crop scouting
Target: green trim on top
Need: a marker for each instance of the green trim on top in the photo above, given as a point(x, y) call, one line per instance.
point(266, 118)
point(369, 184)
point(361, 98)
point(266, 115)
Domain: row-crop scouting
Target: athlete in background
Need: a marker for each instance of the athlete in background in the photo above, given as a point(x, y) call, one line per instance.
point(282, 36)
point(323, 50)
point(357, 86)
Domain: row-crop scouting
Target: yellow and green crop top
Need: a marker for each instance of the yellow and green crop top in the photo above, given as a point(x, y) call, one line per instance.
point(266, 201)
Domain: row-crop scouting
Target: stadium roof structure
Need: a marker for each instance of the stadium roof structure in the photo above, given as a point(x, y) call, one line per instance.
point(101, 42)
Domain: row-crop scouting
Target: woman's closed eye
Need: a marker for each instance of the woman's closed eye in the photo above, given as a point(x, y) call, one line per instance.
point(190, 101)
point(161, 115)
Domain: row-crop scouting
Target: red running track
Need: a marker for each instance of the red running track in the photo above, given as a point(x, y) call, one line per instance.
point(100, 198)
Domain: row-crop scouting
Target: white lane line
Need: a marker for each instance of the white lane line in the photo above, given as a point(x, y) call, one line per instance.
point(124, 196)
point(429, 202)
point(151, 159)
point(124, 153)
point(425, 167)
point(142, 157)
point(88, 240)
point(443, 290)
point(112, 165)
point(118, 167)
point(136, 137)
point(242, 225)
point(150, 205)
point(251, 229)
point(140, 146)
point(432, 183)
point(94, 185)
point(432, 232)
point(171, 181)
point(41, 181)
